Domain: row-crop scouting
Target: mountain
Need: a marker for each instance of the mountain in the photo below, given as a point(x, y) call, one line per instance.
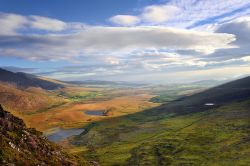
point(26, 146)
point(26, 99)
point(27, 80)
point(208, 83)
point(208, 128)
point(215, 97)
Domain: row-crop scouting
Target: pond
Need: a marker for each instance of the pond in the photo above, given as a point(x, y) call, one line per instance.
point(59, 134)
point(95, 112)
point(209, 104)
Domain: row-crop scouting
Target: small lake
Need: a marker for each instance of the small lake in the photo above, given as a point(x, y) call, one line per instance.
point(60, 134)
point(95, 112)
point(209, 104)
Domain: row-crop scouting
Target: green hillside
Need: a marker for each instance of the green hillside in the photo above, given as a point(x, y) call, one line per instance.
point(184, 132)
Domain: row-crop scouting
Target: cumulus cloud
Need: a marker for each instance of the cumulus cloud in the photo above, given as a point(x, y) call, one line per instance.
point(158, 13)
point(125, 20)
point(48, 24)
point(107, 50)
point(101, 40)
point(153, 14)
point(12, 23)
point(193, 14)
point(241, 29)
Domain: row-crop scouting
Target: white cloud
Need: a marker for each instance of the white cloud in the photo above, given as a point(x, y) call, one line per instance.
point(197, 13)
point(240, 27)
point(158, 13)
point(153, 14)
point(10, 23)
point(125, 20)
point(112, 61)
point(111, 40)
point(124, 50)
point(192, 13)
point(246, 58)
point(45, 23)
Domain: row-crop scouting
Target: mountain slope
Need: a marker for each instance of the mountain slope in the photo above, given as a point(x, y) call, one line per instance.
point(27, 80)
point(26, 100)
point(26, 146)
point(184, 132)
point(217, 137)
point(217, 96)
point(26, 93)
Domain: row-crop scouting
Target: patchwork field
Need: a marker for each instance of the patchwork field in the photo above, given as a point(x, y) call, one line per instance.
point(186, 131)
point(73, 114)
point(75, 106)
point(66, 107)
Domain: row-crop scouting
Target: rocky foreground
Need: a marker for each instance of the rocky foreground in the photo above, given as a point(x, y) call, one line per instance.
point(20, 145)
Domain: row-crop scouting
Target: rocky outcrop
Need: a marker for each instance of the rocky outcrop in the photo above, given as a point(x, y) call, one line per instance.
point(20, 145)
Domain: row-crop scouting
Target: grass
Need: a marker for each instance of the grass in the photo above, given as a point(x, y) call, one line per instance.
point(68, 110)
point(131, 136)
point(217, 137)
point(65, 107)
point(80, 95)
point(165, 94)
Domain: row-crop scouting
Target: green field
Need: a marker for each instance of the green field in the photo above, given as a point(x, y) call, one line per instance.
point(165, 94)
point(182, 132)
point(215, 137)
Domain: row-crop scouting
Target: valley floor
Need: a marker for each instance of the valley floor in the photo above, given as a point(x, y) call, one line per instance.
point(131, 126)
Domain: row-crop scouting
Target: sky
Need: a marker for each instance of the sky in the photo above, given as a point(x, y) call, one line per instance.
point(151, 41)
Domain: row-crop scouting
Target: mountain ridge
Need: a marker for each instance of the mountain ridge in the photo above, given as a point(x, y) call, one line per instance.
point(25, 80)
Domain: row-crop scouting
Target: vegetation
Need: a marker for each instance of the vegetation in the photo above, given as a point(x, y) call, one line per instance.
point(208, 138)
point(26, 146)
point(184, 132)
point(83, 95)
point(135, 128)
point(165, 94)
point(28, 100)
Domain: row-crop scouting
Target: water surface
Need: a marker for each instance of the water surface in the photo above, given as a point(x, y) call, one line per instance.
point(94, 112)
point(59, 134)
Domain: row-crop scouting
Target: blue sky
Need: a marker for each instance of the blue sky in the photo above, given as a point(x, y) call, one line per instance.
point(88, 11)
point(132, 40)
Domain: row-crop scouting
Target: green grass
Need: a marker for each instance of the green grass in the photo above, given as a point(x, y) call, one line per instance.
point(171, 93)
point(216, 137)
point(81, 95)
point(163, 98)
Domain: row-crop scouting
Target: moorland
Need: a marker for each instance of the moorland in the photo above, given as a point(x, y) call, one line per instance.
point(119, 123)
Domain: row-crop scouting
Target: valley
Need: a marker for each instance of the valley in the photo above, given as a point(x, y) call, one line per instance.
point(74, 105)
point(183, 132)
point(75, 113)
point(179, 124)
point(125, 83)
